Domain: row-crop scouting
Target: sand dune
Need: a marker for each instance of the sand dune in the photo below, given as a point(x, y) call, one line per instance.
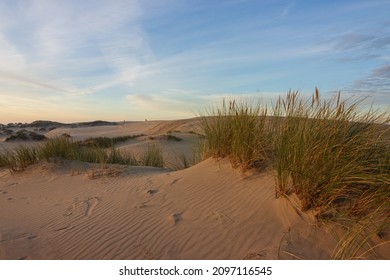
point(57, 211)
point(128, 128)
point(74, 210)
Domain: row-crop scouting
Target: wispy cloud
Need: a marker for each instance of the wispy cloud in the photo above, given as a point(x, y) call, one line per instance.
point(355, 46)
point(382, 72)
point(287, 10)
point(65, 31)
point(185, 103)
point(354, 41)
point(376, 84)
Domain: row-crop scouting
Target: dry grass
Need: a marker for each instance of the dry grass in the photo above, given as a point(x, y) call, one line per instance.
point(334, 156)
point(62, 148)
point(152, 156)
point(238, 130)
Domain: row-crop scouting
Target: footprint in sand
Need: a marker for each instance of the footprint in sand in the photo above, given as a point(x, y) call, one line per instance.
point(142, 205)
point(70, 210)
point(175, 181)
point(152, 192)
point(176, 218)
point(90, 205)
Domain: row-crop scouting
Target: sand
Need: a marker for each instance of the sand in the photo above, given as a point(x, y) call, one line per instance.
point(74, 210)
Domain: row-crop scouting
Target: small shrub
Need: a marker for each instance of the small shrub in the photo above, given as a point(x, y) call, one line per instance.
point(18, 136)
point(37, 137)
point(103, 142)
point(171, 137)
point(106, 142)
point(8, 131)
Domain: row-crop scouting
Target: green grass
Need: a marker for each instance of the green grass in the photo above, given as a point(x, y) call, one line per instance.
point(237, 130)
point(19, 159)
point(333, 155)
point(62, 148)
point(106, 142)
point(152, 156)
point(327, 153)
point(117, 157)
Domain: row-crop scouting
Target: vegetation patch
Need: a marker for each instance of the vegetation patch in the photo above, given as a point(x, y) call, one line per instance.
point(171, 137)
point(63, 148)
point(335, 157)
point(152, 156)
point(24, 135)
point(106, 142)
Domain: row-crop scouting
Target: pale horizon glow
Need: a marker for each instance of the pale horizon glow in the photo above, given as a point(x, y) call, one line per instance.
point(116, 60)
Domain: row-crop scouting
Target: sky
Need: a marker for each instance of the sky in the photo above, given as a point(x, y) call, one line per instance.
point(121, 60)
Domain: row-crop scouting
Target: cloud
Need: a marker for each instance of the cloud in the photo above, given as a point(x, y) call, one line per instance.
point(287, 10)
point(360, 46)
point(376, 84)
point(11, 59)
point(171, 100)
point(185, 103)
point(362, 41)
point(54, 41)
point(381, 72)
point(30, 82)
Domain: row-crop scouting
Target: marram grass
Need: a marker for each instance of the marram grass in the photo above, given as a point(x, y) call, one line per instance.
point(239, 131)
point(334, 156)
point(62, 148)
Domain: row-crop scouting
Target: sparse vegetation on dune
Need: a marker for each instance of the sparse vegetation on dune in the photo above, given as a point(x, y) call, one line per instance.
point(63, 148)
point(24, 135)
point(333, 156)
point(238, 130)
point(152, 156)
point(106, 142)
point(171, 137)
point(19, 159)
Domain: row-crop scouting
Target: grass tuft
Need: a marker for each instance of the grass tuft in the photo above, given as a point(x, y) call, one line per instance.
point(152, 156)
point(334, 156)
point(237, 130)
point(63, 148)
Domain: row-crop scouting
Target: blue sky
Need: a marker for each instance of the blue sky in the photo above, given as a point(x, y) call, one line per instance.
point(129, 60)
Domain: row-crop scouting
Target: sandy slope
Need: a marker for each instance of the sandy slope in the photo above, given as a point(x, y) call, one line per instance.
point(149, 128)
point(58, 211)
point(73, 210)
